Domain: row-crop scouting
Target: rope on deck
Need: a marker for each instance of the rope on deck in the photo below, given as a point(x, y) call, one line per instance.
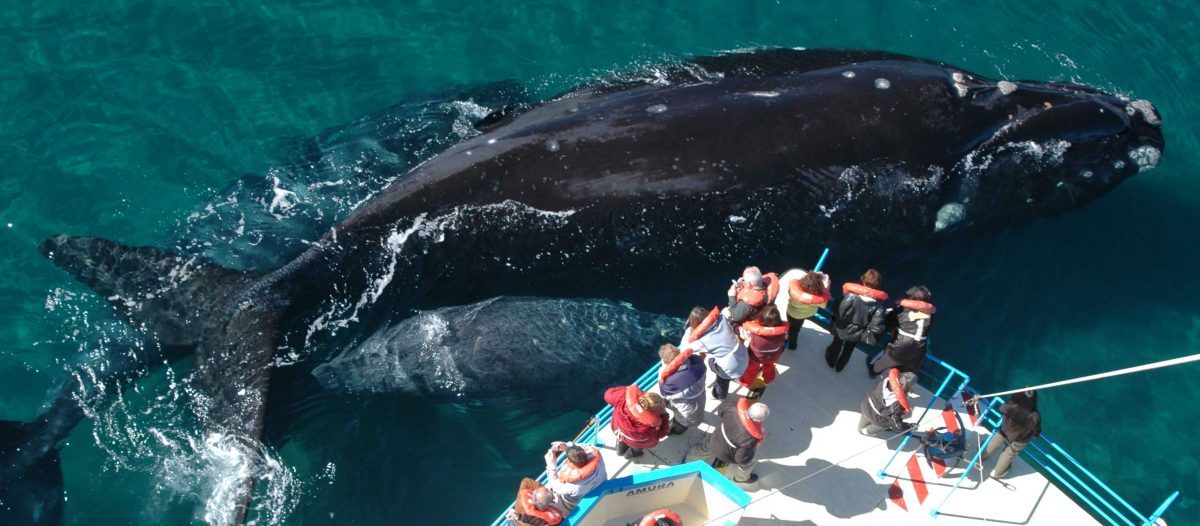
point(780, 489)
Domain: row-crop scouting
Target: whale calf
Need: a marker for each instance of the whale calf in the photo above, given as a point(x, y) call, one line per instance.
point(739, 157)
point(504, 346)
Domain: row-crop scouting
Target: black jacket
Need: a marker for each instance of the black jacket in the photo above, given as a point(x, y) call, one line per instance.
point(856, 317)
point(904, 352)
point(889, 417)
point(1021, 423)
point(730, 430)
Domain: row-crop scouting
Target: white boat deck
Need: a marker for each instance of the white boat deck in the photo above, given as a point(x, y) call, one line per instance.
point(827, 470)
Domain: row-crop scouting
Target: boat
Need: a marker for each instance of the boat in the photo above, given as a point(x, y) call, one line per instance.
point(815, 468)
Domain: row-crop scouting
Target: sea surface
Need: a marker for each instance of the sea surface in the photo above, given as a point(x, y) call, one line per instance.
point(182, 124)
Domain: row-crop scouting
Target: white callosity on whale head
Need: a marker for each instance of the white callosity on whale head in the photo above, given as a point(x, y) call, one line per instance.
point(1147, 110)
point(949, 215)
point(883, 83)
point(960, 83)
point(1146, 157)
point(1006, 87)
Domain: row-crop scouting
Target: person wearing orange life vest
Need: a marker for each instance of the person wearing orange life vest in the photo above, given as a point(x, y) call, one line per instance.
point(710, 332)
point(663, 517)
point(764, 337)
point(806, 292)
point(887, 403)
point(681, 382)
point(580, 473)
point(858, 317)
point(639, 419)
point(749, 294)
point(735, 440)
point(534, 506)
point(910, 322)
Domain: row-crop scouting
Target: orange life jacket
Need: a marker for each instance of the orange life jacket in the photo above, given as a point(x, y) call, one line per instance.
point(571, 474)
point(670, 368)
point(759, 297)
point(754, 428)
point(648, 418)
point(651, 519)
point(551, 514)
point(918, 305)
point(901, 396)
point(863, 290)
point(689, 336)
point(762, 330)
point(796, 293)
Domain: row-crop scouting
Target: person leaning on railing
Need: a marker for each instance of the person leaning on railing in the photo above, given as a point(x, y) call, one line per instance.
point(886, 404)
point(579, 474)
point(910, 322)
point(534, 506)
point(1022, 423)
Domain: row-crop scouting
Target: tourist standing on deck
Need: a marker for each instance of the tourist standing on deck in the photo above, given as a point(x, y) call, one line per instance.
point(639, 419)
point(1022, 423)
point(735, 441)
point(681, 382)
point(910, 322)
point(749, 294)
point(711, 333)
point(534, 506)
point(858, 317)
point(580, 473)
point(764, 336)
point(806, 292)
point(886, 404)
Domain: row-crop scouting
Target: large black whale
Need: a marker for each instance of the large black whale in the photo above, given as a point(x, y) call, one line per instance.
point(741, 156)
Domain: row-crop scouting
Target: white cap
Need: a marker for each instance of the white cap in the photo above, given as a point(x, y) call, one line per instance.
point(753, 276)
point(758, 412)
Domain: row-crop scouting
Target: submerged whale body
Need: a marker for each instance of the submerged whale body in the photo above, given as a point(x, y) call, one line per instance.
point(750, 156)
point(503, 346)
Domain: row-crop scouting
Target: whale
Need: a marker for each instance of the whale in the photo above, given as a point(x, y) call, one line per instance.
point(503, 346)
point(634, 187)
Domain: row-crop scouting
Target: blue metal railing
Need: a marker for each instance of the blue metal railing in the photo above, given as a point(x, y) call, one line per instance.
point(1076, 481)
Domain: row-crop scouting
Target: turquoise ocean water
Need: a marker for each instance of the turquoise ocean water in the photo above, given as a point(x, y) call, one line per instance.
point(126, 119)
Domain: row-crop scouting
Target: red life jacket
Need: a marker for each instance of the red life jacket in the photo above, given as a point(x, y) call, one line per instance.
point(651, 519)
point(759, 297)
point(551, 514)
point(918, 305)
point(863, 290)
point(639, 413)
point(571, 474)
point(796, 293)
point(761, 330)
point(689, 336)
point(754, 428)
point(901, 396)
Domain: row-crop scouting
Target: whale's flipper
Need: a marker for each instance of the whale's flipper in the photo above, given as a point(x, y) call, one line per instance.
point(36, 496)
point(229, 317)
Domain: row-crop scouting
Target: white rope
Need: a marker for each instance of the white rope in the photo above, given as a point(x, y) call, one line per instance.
point(1118, 372)
point(802, 479)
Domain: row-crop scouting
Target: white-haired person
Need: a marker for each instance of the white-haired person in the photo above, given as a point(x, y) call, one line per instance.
point(734, 442)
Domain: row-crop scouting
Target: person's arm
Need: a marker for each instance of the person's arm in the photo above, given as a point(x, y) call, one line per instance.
point(744, 454)
point(877, 324)
point(740, 312)
point(664, 425)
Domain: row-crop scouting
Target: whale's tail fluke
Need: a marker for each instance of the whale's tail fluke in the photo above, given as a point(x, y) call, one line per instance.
point(230, 318)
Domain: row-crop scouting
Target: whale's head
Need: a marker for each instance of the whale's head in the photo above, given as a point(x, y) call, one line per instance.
point(1052, 148)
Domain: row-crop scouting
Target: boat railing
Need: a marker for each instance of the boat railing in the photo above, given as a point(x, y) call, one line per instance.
point(945, 380)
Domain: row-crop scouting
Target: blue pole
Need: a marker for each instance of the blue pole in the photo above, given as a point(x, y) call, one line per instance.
point(1161, 509)
point(974, 460)
point(821, 262)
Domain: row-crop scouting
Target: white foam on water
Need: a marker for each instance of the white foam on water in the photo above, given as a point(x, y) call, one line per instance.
point(657, 108)
point(280, 204)
point(737, 220)
point(882, 83)
point(763, 94)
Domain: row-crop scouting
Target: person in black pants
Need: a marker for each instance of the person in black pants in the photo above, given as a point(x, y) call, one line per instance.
point(858, 317)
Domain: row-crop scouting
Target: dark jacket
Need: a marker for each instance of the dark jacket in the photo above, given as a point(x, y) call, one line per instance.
point(879, 412)
point(858, 318)
point(731, 431)
point(685, 383)
point(1021, 423)
point(635, 434)
point(905, 352)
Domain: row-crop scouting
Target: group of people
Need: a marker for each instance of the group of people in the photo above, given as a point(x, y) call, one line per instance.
point(743, 342)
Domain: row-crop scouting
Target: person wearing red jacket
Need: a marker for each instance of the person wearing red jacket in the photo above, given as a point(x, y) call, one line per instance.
point(639, 419)
point(764, 337)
